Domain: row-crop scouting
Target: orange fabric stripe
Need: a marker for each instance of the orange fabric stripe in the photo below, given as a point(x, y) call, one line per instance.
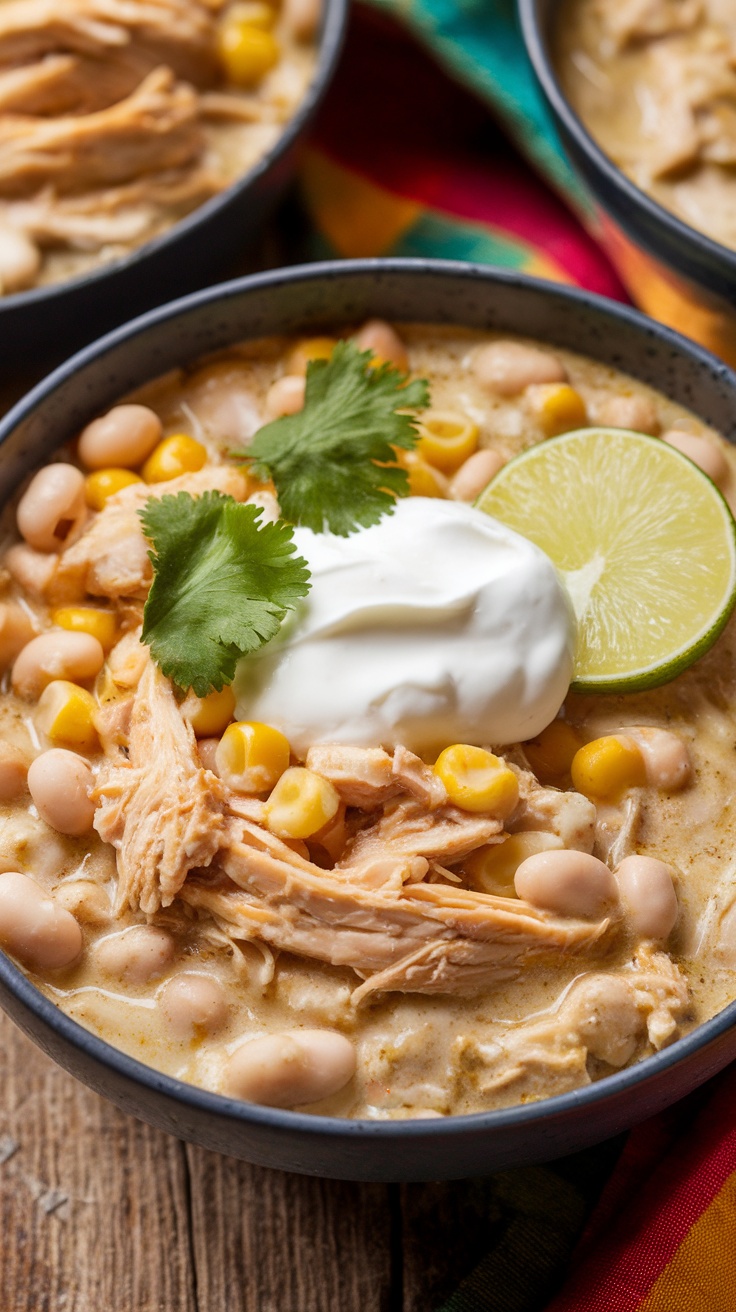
point(701, 1276)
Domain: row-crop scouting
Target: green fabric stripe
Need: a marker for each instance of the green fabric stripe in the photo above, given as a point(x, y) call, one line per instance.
point(432, 235)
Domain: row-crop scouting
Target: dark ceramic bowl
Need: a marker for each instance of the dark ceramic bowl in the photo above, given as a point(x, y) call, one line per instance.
point(47, 323)
point(311, 299)
point(675, 273)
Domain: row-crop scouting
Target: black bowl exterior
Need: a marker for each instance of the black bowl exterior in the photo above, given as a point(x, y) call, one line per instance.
point(306, 300)
point(44, 325)
point(677, 274)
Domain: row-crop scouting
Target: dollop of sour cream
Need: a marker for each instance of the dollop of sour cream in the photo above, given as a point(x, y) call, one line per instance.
point(436, 625)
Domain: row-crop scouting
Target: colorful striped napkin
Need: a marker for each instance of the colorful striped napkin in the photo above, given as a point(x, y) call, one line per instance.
point(405, 161)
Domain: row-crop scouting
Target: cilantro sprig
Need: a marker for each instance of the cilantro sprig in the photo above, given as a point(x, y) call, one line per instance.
point(222, 585)
point(333, 463)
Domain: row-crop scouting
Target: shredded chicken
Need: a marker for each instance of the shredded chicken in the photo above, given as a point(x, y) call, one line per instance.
point(159, 807)
point(134, 35)
point(416, 937)
point(110, 559)
point(367, 776)
point(568, 814)
point(155, 128)
point(608, 1016)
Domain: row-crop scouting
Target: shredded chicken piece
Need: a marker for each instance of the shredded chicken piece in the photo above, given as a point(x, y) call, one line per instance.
point(630, 21)
point(419, 779)
point(129, 213)
point(363, 776)
point(568, 814)
point(110, 559)
point(607, 1015)
point(159, 808)
point(134, 35)
point(156, 127)
point(414, 937)
point(368, 776)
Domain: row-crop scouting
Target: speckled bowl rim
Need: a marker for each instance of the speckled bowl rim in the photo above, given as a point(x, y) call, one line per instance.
point(309, 1124)
point(331, 41)
point(539, 53)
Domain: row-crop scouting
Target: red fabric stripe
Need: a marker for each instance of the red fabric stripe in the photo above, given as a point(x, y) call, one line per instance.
point(622, 1268)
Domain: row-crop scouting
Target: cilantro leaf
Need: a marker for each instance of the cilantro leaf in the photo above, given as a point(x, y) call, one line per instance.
point(333, 463)
point(222, 585)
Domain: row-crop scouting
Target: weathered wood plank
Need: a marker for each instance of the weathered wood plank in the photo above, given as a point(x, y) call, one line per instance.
point(269, 1242)
point(93, 1205)
point(445, 1230)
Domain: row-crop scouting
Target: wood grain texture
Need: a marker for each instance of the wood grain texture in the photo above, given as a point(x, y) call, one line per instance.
point(100, 1213)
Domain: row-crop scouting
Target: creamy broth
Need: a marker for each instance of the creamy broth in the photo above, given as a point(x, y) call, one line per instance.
point(547, 1021)
point(117, 119)
point(654, 81)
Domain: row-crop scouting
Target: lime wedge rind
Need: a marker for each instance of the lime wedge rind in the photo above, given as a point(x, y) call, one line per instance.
point(643, 540)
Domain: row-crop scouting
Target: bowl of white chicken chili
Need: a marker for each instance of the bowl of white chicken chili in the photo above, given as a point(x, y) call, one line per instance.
point(367, 718)
point(142, 146)
point(642, 95)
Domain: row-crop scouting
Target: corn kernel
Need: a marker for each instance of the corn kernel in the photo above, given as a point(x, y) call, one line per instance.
point(312, 348)
point(301, 804)
point(550, 755)
point(176, 455)
point(424, 479)
point(65, 714)
point(209, 716)
point(491, 869)
point(446, 439)
point(251, 757)
point(557, 407)
point(247, 51)
point(104, 483)
point(476, 780)
point(605, 768)
point(102, 624)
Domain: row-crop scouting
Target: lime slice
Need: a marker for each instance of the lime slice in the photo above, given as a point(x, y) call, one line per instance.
point(643, 540)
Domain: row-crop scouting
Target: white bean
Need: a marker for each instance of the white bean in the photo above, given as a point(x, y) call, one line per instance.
point(123, 438)
point(192, 1003)
point(41, 934)
point(508, 368)
point(58, 654)
point(474, 474)
point(666, 758)
point(86, 900)
point(570, 883)
point(20, 260)
point(52, 509)
point(16, 630)
point(291, 1068)
point(379, 337)
point(603, 1010)
point(637, 413)
point(702, 451)
point(286, 396)
point(33, 570)
point(302, 18)
point(648, 894)
point(13, 773)
point(59, 782)
point(135, 955)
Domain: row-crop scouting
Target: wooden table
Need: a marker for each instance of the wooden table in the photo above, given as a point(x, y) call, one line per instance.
point(100, 1213)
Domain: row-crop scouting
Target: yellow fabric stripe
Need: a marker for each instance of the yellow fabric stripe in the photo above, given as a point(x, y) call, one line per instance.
point(357, 217)
point(701, 1277)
